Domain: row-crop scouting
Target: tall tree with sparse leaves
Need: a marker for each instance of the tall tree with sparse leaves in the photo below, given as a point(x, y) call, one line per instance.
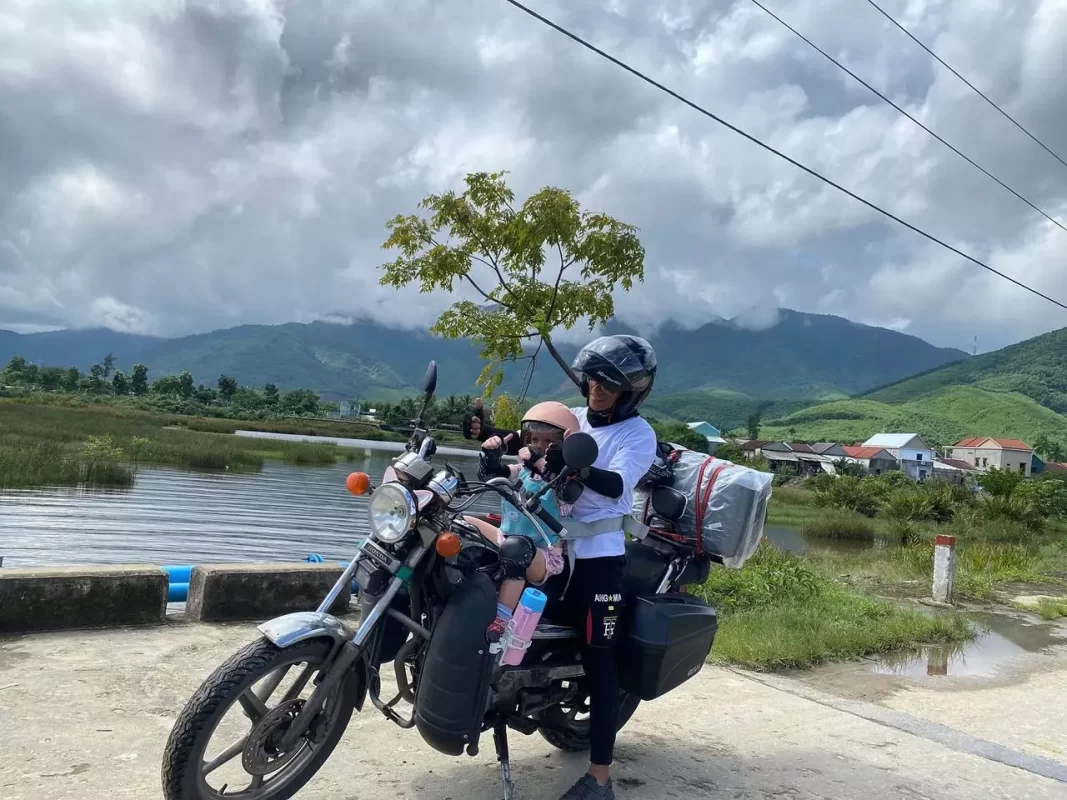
point(535, 268)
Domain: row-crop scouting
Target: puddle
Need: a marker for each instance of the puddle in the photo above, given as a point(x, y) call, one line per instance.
point(1001, 639)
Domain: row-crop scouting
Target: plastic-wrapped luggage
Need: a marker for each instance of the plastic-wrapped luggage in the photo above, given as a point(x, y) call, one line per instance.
point(726, 509)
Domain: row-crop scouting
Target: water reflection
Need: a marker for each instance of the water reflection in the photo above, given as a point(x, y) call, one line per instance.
point(170, 516)
point(1001, 639)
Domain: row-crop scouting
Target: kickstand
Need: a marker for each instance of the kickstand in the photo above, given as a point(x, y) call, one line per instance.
point(500, 739)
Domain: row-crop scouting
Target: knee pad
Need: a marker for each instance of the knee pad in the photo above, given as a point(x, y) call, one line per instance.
point(516, 555)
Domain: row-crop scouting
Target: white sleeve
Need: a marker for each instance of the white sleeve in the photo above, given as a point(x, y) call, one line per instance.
point(633, 458)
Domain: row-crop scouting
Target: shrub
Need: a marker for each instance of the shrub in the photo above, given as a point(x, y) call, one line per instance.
point(851, 494)
point(999, 482)
point(770, 577)
point(1047, 498)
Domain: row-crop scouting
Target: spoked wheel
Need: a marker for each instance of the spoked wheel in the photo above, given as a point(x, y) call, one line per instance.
point(568, 725)
point(247, 705)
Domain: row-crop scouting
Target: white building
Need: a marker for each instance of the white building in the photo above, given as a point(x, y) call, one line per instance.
point(915, 456)
point(987, 452)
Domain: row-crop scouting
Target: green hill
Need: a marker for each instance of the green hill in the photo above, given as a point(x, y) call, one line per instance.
point(943, 416)
point(1036, 368)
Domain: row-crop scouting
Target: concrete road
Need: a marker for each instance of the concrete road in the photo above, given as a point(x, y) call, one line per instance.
point(86, 715)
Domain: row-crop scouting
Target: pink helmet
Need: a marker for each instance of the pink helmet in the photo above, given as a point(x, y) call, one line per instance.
point(549, 417)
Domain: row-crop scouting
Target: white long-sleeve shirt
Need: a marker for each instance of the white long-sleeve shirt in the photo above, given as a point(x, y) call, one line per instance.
point(628, 448)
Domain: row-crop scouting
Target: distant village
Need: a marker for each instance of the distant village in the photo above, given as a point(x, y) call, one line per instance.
point(887, 452)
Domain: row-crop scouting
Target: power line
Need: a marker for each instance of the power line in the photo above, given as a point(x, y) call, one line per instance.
point(857, 78)
point(681, 98)
point(974, 88)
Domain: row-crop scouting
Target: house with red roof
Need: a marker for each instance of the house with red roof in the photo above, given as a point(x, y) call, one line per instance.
point(876, 460)
point(988, 452)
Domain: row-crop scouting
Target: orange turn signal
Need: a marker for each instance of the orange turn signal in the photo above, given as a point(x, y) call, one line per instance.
point(448, 545)
point(358, 483)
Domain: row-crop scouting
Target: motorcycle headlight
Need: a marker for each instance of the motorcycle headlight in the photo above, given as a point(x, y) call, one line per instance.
point(391, 512)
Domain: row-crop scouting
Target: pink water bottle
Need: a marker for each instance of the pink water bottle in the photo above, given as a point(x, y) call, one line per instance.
point(522, 626)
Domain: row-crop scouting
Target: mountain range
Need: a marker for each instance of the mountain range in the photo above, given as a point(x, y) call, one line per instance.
point(721, 364)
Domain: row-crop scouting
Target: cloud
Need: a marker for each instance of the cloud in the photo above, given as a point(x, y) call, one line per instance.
point(175, 167)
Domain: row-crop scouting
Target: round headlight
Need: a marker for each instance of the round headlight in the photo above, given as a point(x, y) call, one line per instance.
point(391, 512)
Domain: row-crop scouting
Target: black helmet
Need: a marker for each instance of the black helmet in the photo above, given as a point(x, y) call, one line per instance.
point(621, 363)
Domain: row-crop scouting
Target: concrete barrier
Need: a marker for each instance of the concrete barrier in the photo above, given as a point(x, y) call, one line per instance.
point(226, 592)
point(60, 598)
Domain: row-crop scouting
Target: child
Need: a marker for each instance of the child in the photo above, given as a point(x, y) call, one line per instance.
point(544, 425)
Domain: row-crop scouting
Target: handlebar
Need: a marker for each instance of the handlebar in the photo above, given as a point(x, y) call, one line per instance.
point(554, 524)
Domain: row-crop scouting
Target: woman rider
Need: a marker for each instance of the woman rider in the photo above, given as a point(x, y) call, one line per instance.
point(616, 373)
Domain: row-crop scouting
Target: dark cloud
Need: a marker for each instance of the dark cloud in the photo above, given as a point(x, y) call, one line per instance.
point(174, 167)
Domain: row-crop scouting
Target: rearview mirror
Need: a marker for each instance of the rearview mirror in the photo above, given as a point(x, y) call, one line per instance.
point(580, 450)
point(429, 383)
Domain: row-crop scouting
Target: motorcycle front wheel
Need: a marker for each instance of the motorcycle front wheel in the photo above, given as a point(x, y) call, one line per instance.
point(252, 766)
point(567, 727)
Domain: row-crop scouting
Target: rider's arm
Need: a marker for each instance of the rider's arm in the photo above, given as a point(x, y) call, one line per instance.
point(604, 482)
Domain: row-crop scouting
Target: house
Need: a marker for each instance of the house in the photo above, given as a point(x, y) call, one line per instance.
point(952, 470)
point(915, 456)
point(876, 460)
point(754, 447)
point(1055, 466)
point(709, 432)
point(831, 449)
point(1037, 465)
point(988, 452)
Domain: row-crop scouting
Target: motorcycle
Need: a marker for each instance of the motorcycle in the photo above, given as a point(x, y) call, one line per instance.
point(428, 584)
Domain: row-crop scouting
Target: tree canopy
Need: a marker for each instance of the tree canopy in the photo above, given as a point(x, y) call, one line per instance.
point(536, 268)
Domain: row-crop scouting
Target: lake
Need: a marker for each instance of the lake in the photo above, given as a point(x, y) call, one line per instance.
point(283, 513)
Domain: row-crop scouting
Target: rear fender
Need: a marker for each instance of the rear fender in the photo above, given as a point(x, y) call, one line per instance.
point(300, 626)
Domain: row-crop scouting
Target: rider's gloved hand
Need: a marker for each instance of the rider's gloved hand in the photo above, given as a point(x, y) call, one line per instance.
point(474, 422)
point(554, 462)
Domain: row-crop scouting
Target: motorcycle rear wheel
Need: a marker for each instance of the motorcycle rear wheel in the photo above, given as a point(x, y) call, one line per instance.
point(571, 734)
point(184, 765)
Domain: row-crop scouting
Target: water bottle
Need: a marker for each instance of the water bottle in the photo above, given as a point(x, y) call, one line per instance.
point(522, 626)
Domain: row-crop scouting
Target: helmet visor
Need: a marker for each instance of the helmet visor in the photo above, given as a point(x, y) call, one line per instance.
point(539, 435)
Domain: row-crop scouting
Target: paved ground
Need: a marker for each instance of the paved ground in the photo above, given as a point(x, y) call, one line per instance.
point(87, 715)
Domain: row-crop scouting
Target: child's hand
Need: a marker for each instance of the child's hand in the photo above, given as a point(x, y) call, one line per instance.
point(532, 458)
point(496, 443)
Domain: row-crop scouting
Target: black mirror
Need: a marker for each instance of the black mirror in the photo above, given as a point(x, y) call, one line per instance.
point(580, 450)
point(429, 383)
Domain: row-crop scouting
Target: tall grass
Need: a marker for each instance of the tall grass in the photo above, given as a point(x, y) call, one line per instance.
point(779, 612)
point(26, 463)
point(101, 445)
point(840, 525)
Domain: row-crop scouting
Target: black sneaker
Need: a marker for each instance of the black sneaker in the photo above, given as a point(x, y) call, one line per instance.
point(588, 789)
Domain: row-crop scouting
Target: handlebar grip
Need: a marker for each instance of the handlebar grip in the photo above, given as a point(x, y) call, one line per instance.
point(554, 524)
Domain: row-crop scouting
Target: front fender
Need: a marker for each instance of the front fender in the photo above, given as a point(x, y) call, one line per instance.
point(285, 631)
point(300, 626)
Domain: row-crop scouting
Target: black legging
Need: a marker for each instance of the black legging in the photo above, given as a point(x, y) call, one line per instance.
point(594, 600)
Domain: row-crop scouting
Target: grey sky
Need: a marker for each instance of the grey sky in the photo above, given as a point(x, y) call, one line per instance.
point(171, 167)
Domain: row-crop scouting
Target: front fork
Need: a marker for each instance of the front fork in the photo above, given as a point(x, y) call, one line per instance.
point(351, 650)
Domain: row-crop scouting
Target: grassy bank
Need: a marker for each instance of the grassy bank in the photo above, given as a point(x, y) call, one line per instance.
point(780, 612)
point(100, 445)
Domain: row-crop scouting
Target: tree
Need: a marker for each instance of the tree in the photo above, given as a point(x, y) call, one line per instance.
point(15, 366)
point(120, 384)
point(753, 425)
point(70, 379)
point(1048, 449)
point(108, 365)
point(479, 238)
point(139, 380)
point(96, 382)
point(792, 434)
point(227, 388)
point(678, 433)
point(270, 394)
